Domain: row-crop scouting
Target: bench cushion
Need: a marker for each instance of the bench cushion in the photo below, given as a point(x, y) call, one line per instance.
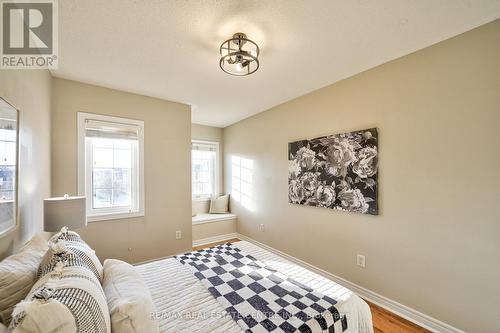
point(206, 218)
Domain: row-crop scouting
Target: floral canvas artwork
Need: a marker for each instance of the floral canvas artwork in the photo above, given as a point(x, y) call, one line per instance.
point(337, 172)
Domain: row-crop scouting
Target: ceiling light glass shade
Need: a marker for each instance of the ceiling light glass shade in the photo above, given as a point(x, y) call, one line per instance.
point(239, 55)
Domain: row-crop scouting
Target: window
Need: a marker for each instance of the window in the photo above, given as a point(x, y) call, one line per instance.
point(8, 167)
point(8, 144)
point(204, 169)
point(111, 162)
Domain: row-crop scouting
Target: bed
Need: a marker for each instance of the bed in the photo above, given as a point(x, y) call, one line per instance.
point(184, 304)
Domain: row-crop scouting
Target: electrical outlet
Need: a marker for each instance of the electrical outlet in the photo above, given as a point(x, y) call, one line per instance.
point(261, 228)
point(178, 234)
point(361, 261)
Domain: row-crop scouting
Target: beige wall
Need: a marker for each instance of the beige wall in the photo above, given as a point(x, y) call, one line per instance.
point(209, 133)
point(212, 229)
point(29, 91)
point(435, 245)
point(167, 128)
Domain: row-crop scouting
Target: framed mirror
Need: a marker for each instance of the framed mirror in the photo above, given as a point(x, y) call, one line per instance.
point(9, 166)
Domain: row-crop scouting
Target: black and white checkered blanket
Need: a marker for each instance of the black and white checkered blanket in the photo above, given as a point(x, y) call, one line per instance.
point(259, 298)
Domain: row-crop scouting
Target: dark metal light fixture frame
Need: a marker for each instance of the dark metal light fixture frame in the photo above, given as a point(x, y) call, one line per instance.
point(232, 52)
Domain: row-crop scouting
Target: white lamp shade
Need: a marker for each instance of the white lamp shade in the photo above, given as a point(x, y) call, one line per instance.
point(65, 211)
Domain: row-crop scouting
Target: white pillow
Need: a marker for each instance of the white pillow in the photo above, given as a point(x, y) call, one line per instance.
point(18, 274)
point(68, 299)
point(129, 300)
point(219, 205)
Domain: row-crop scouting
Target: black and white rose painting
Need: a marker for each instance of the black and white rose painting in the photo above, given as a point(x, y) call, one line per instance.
point(337, 171)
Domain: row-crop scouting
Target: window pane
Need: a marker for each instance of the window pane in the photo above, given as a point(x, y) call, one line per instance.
point(102, 198)
point(203, 177)
point(121, 179)
point(206, 188)
point(122, 158)
point(122, 190)
point(203, 165)
point(121, 198)
point(102, 178)
point(103, 157)
point(122, 144)
point(112, 172)
point(7, 153)
point(7, 195)
point(11, 153)
point(7, 178)
point(7, 135)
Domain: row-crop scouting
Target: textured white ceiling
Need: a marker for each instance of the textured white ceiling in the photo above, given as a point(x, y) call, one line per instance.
point(170, 49)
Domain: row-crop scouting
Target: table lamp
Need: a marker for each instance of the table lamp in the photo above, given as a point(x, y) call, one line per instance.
point(64, 211)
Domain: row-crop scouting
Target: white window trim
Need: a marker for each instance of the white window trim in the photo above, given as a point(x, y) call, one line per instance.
point(217, 170)
point(82, 182)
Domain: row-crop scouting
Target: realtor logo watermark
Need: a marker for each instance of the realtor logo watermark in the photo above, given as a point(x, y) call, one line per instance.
point(29, 34)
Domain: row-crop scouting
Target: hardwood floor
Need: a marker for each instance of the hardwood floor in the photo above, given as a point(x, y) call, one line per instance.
point(196, 248)
point(387, 322)
point(383, 320)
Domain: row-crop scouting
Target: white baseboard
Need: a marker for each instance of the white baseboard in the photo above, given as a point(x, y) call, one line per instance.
point(214, 239)
point(399, 309)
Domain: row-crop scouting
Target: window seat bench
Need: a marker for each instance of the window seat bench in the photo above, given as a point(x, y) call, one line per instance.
point(209, 218)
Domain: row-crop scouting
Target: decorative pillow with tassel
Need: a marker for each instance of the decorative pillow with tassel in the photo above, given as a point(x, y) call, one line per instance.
point(66, 299)
point(67, 246)
point(68, 236)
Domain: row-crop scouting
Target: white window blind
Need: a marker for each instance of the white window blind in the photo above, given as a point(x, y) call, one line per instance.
point(109, 130)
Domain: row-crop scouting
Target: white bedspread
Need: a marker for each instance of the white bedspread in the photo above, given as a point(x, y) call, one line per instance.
point(184, 305)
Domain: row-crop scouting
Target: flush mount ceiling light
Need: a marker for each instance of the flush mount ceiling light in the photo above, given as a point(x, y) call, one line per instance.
point(239, 55)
